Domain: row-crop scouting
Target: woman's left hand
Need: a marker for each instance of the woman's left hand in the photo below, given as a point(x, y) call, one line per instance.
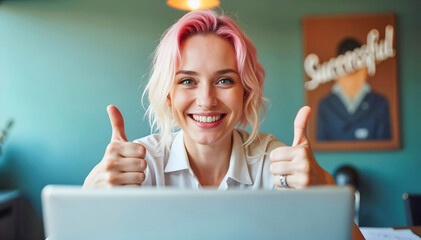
point(297, 163)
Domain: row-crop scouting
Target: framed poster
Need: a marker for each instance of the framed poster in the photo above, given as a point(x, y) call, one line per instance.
point(351, 82)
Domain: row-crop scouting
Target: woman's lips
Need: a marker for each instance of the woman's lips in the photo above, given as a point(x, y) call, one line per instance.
point(207, 120)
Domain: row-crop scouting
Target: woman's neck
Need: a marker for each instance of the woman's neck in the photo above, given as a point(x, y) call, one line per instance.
point(209, 163)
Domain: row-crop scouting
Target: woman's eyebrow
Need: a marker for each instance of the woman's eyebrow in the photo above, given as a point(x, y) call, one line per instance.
point(228, 70)
point(220, 72)
point(187, 72)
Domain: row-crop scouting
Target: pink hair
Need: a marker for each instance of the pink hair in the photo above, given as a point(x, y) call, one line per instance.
point(168, 56)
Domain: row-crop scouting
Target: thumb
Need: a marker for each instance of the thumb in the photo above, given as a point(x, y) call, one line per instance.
point(117, 124)
point(300, 126)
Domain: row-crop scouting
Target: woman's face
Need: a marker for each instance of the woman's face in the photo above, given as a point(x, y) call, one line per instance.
point(207, 95)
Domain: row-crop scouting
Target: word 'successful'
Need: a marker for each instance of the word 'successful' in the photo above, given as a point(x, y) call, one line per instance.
point(351, 61)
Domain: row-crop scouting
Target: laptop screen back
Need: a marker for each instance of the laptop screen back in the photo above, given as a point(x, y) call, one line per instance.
point(132, 213)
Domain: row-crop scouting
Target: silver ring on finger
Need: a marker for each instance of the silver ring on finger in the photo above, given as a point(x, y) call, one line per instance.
point(283, 180)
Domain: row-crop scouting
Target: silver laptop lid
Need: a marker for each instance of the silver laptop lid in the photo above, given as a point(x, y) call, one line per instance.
point(138, 213)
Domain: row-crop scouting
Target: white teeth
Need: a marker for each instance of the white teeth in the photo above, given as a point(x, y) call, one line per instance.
point(208, 119)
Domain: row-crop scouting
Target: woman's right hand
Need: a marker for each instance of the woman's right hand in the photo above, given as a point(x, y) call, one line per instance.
point(123, 163)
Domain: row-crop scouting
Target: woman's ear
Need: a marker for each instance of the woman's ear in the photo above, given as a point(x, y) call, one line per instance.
point(245, 95)
point(168, 100)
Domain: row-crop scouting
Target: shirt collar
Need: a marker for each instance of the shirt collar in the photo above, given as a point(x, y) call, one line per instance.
point(351, 105)
point(178, 159)
point(238, 168)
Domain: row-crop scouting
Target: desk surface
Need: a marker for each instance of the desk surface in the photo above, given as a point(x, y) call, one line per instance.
point(414, 229)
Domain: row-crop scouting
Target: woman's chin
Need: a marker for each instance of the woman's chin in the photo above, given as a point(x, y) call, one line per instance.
point(208, 139)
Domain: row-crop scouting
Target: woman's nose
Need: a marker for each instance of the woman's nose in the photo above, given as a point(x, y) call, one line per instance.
point(206, 97)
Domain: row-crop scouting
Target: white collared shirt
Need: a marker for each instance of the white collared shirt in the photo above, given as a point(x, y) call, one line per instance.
point(248, 168)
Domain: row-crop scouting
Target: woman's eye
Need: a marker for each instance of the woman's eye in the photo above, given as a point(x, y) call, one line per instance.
point(187, 81)
point(225, 81)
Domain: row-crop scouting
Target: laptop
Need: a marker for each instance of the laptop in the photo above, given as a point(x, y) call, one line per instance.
point(70, 213)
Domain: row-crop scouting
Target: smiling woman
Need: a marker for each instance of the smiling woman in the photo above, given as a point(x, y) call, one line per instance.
point(168, 57)
point(206, 80)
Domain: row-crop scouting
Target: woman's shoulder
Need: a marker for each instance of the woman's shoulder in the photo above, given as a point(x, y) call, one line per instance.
point(150, 139)
point(263, 142)
point(151, 143)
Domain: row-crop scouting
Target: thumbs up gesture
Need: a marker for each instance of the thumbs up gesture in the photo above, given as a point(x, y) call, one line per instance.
point(295, 166)
point(123, 163)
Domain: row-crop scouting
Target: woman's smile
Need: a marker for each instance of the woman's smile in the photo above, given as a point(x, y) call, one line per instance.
point(207, 120)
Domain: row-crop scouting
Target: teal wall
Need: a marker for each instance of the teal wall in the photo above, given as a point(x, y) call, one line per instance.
point(62, 62)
